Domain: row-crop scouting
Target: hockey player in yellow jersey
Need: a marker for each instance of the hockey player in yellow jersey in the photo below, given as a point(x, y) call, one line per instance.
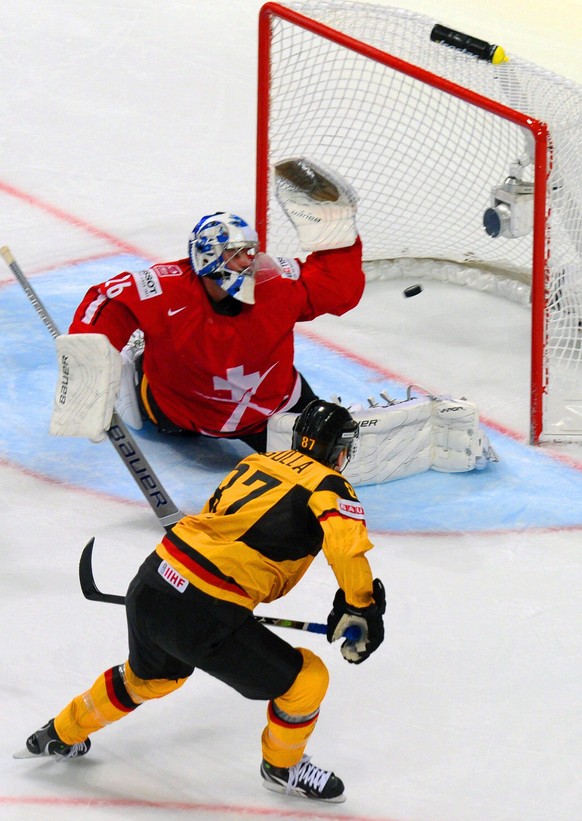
point(191, 603)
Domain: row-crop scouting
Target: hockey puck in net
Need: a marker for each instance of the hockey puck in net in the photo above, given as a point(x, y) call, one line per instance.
point(412, 290)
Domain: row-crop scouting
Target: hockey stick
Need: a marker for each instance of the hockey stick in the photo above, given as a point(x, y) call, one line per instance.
point(119, 436)
point(92, 592)
point(87, 580)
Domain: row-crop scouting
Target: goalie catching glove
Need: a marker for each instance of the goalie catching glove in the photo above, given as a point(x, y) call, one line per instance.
point(318, 201)
point(369, 620)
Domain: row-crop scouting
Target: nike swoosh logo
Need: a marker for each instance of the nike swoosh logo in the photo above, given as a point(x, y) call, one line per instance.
point(176, 311)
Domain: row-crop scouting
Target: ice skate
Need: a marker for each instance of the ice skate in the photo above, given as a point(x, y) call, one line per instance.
point(46, 742)
point(304, 780)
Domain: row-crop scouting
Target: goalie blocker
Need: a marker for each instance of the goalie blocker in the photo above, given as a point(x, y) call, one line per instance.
point(94, 380)
point(87, 386)
point(405, 438)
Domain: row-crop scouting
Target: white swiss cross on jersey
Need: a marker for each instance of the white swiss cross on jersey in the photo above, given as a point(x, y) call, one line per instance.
point(242, 387)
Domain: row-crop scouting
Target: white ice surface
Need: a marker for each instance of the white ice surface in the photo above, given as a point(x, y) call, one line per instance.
point(123, 123)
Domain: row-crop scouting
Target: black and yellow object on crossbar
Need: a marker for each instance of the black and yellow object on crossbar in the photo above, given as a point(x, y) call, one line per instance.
point(471, 45)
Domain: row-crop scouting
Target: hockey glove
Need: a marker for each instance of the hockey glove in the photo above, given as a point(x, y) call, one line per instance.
point(87, 387)
point(320, 203)
point(367, 619)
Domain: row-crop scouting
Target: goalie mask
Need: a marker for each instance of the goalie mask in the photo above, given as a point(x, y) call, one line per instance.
point(222, 247)
point(322, 430)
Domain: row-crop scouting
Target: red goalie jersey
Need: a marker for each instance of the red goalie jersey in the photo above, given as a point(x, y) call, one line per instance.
point(213, 373)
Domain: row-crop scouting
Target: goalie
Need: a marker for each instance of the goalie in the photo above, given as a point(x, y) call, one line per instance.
point(212, 349)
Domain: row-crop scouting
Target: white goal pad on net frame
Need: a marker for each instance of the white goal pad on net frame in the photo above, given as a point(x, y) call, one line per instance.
point(476, 165)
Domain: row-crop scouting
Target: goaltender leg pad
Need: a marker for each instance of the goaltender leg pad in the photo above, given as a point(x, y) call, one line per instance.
point(458, 442)
point(320, 203)
point(405, 438)
point(394, 441)
point(87, 386)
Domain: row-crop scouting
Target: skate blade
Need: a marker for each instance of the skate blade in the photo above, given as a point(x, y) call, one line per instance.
point(25, 753)
point(282, 790)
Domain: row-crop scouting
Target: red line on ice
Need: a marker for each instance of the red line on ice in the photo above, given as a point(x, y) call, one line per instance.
point(89, 803)
point(70, 219)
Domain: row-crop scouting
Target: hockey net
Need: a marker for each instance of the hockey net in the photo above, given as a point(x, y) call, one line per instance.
point(432, 138)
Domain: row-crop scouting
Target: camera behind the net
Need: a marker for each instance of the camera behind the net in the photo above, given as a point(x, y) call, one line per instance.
point(511, 212)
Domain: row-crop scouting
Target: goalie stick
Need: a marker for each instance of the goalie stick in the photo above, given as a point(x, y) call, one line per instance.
point(92, 592)
point(118, 434)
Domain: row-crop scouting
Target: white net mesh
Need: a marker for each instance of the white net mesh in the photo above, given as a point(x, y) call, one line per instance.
point(425, 164)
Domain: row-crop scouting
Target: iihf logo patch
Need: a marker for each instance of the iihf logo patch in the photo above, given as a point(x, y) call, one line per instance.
point(172, 576)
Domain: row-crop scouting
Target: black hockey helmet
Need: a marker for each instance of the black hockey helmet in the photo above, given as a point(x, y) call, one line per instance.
point(322, 430)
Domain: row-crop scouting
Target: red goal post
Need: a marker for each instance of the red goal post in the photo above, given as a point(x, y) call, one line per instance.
point(432, 138)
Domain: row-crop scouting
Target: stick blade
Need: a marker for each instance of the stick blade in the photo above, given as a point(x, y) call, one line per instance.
point(86, 572)
point(87, 582)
